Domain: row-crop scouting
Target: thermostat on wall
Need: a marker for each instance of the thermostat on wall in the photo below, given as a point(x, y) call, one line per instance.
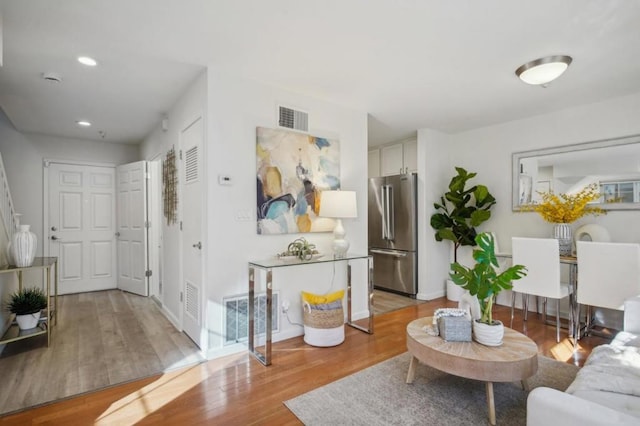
point(224, 180)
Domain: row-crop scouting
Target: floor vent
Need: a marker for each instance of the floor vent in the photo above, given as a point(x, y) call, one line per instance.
point(237, 316)
point(293, 119)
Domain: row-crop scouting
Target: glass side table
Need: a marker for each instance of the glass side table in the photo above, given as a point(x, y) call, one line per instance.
point(268, 265)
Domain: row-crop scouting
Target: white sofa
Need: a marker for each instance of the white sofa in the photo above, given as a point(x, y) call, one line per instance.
point(606, 390)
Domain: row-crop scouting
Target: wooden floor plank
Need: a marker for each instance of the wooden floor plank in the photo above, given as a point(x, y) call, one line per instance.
point(239, 390)
point(102, 338)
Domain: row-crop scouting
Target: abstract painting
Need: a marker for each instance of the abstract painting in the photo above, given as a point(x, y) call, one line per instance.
point(292, 169)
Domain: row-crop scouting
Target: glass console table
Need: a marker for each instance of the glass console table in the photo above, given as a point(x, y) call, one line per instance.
point(51, 318)
point(268, 265)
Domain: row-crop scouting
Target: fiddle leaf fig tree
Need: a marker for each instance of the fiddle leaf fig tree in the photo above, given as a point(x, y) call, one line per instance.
point(483, 281)
point(460, 210)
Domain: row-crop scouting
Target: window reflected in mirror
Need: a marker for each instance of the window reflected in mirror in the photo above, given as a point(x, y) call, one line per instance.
point(613, 164)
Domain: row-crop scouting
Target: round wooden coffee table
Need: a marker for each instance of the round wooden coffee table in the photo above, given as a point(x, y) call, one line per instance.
point(515, 360)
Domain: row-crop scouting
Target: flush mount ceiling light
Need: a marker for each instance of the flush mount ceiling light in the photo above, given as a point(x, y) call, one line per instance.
point(543, 70)
point(52, 77)
point(88, 61)
point(83, 123)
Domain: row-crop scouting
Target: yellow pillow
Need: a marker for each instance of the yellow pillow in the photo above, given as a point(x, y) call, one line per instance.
point(317, 299)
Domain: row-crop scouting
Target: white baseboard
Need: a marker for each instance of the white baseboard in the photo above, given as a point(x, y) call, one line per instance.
point(432, 295)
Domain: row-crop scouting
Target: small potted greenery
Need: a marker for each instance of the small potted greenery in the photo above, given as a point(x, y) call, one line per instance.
point(484, 282)
point(460, 210)
point(301, 249)
point(27, 304)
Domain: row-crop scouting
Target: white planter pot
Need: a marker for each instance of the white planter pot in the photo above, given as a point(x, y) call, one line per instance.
point(29, 321)
point(454, 291)
point(488, 335)
point(23, 247)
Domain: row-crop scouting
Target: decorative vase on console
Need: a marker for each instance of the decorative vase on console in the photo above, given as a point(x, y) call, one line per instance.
point(564, 209)
point(23, 246)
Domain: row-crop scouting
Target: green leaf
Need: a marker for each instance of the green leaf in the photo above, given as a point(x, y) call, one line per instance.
point(440, 221)
point(479, 216)
point(447, 234)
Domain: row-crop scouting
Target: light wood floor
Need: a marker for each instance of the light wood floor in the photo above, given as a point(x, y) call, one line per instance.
point(386, 301)
point(101, 339)
point(238, 390)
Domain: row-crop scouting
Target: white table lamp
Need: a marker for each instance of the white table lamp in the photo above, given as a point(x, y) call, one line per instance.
point(339, 205)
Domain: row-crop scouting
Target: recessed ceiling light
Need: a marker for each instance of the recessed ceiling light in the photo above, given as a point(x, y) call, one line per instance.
point(543, 70)
point(83, 123)
point(88, 61)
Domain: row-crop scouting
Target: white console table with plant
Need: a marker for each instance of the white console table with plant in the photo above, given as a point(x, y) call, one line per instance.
point(268, 265)
point(14, 333)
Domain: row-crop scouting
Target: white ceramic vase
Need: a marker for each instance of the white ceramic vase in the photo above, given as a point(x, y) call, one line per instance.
point(28, 321)
point(562, 233)
point(23, 247)
point(488, 335)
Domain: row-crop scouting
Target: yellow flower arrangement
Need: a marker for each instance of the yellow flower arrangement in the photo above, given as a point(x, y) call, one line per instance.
point(565, 208)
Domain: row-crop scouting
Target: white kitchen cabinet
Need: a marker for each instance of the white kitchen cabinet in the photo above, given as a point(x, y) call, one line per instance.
point(399, 158)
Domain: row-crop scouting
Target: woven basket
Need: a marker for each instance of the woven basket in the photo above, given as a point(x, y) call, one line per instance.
point(323, 319)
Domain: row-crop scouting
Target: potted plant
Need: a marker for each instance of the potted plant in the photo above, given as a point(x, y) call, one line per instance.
point(27, 305)
point(483, 282)
point(301, 249)
point(460, 210)
point(563, 209)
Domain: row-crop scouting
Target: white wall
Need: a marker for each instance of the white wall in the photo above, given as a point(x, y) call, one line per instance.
point(434, 174)
point(236, 108)
point(488, 150)
point(192, 104)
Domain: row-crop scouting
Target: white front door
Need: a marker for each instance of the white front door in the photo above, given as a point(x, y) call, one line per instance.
point(192, 251)
point(81, 225)
point(131, 225)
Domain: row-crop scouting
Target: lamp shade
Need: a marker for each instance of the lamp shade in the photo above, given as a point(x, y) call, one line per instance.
point(543, 70)
point(338, 204)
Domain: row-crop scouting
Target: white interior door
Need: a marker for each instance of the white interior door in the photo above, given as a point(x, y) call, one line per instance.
point(192, 251)
point(81, 226)
point(132, 230)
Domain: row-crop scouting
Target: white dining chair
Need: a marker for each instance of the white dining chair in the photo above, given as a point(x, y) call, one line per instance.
point(608, 274)
point(541, 257)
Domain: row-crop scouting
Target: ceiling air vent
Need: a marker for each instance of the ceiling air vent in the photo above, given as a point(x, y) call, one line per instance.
point(293, 119)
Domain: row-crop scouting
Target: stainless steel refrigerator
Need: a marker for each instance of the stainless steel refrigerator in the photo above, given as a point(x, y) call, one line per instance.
point(393, 232)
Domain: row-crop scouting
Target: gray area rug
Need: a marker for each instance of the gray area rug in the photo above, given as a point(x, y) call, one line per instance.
point(379, 395)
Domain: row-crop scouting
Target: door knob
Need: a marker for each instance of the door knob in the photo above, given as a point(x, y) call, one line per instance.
point(53, 228)
point(53, 237)
point(117, 234)
point(198, 245)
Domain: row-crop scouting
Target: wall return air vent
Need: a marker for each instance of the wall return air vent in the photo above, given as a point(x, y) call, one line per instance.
point(293, 119)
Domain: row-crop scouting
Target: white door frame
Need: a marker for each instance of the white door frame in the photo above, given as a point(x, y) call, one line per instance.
point(45, 192)
point(154, 234)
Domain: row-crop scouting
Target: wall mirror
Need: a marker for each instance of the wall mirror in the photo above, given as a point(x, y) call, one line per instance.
point(614, 164)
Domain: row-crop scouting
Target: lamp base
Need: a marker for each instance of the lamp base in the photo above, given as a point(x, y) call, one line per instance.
point(340, 245)
point(340, 248)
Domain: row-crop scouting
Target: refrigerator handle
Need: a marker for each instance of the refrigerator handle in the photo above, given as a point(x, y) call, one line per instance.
point(389, 252)
point(390, 214)
point(383, 196)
